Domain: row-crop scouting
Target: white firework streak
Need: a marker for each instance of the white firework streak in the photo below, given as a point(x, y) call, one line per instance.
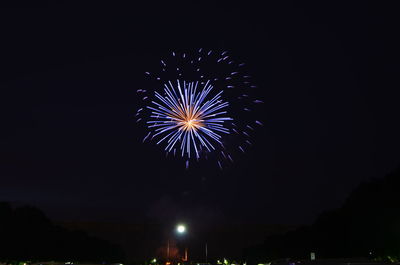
point(188, 117)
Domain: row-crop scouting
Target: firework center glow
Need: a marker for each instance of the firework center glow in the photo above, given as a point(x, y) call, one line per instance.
point(191, 124)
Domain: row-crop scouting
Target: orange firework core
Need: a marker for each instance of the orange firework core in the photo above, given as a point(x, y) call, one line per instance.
point(188, 120)
point(191, 124)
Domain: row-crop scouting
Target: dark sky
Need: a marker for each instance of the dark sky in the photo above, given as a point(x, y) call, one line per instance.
point(328, 74)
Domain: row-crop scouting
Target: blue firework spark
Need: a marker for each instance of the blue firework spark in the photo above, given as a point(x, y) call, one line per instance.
point(188, 118)
point(206, 112)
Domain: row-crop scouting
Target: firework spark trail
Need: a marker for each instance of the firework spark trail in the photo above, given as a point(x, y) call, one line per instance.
point(190, 116)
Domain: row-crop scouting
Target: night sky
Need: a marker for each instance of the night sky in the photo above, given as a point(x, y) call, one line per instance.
point(69, 144)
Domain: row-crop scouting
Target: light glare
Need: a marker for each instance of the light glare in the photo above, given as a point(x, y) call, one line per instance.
point(181, 229)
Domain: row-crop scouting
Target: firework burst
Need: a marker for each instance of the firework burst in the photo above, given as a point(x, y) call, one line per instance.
point(205, 112)
point(185, 117)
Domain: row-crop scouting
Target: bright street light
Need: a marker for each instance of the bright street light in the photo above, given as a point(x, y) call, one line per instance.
point(181, 229)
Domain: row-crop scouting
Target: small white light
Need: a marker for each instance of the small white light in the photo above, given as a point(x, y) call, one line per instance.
point(181, 229)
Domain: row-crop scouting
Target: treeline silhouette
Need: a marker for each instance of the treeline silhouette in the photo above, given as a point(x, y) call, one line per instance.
point(367, 225)
point(27, 234)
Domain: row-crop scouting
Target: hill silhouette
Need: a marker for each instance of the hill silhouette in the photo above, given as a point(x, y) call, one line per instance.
point(27, 234)
point(367, 225)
